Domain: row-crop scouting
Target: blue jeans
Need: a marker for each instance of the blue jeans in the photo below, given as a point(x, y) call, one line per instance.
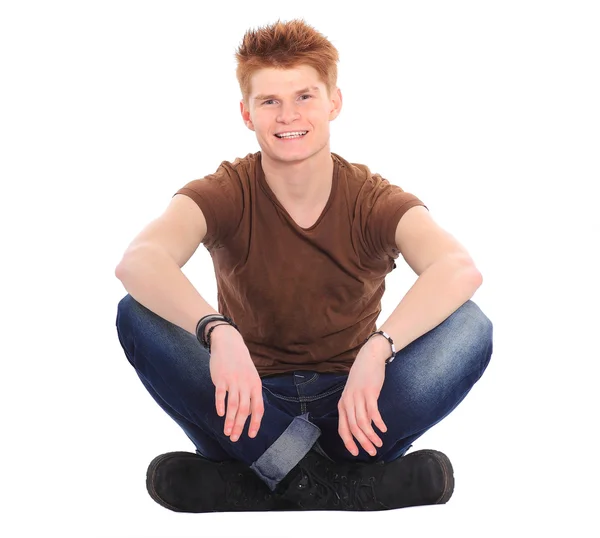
point(426, 380)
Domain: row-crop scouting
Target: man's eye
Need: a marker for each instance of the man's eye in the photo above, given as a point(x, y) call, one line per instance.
point(271, 100)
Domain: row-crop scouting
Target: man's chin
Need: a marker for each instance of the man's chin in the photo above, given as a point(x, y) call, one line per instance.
point(291, 157)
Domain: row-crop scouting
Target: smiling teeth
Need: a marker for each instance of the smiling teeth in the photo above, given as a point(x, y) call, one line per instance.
point(290, 135)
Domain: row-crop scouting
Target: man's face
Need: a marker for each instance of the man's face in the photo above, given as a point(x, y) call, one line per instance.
point(290, 100)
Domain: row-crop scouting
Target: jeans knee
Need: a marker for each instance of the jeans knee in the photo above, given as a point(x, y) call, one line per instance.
point(482, 330)
point(123, 326)
point(128, 309)
point(478, 323)
point(129, 314)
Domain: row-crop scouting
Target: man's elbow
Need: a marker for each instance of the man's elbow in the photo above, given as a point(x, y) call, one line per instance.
point(469, 269)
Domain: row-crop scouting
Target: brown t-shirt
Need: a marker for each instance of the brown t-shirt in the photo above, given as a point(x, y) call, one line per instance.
point(303, 299)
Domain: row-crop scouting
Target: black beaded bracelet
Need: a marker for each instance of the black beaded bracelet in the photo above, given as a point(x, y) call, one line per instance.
point(211, 330)
point(201, 326)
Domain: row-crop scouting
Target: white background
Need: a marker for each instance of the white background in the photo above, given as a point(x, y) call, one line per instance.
point(487, 111)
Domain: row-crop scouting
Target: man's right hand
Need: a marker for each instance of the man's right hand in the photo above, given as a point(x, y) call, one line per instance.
point(233, 373)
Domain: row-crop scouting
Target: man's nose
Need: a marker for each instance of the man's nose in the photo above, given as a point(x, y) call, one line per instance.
point(288, 113)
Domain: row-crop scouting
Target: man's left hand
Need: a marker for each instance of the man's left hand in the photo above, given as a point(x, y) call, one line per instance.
point(357, 406)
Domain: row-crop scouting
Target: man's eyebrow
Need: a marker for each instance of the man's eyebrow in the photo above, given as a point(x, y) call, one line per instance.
point(303, 90)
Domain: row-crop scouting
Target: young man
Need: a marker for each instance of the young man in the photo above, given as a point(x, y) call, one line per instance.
point(290, 395)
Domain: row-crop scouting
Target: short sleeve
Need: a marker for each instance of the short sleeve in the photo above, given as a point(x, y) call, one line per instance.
point(382, 207)
point(219, 196)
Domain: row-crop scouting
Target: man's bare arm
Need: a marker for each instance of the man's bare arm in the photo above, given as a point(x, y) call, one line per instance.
point(153, 279)
point(150, 269)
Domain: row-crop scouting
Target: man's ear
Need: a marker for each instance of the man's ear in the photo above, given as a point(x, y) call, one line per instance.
point(336, 104)
point(246, 116)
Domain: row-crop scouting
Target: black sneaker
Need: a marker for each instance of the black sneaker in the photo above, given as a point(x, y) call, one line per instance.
point(419, 478)
point(186, 482)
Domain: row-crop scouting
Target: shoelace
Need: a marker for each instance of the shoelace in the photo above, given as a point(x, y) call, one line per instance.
point(364, 496)
point(351, 493)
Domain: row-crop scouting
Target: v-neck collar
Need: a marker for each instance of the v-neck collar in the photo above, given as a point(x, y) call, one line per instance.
point(269, 192)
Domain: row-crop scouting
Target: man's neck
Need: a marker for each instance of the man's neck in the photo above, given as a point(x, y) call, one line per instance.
point(303, 184)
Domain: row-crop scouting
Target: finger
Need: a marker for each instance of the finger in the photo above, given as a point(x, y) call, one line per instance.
point(220, 393)
point(356, 431)
point(233, 399)
point(374, 415)
point(344, 431)
point(364, 423)
point(241, 416)
point(257, 408)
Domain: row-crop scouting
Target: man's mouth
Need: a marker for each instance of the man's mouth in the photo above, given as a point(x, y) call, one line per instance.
point(291, 135)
